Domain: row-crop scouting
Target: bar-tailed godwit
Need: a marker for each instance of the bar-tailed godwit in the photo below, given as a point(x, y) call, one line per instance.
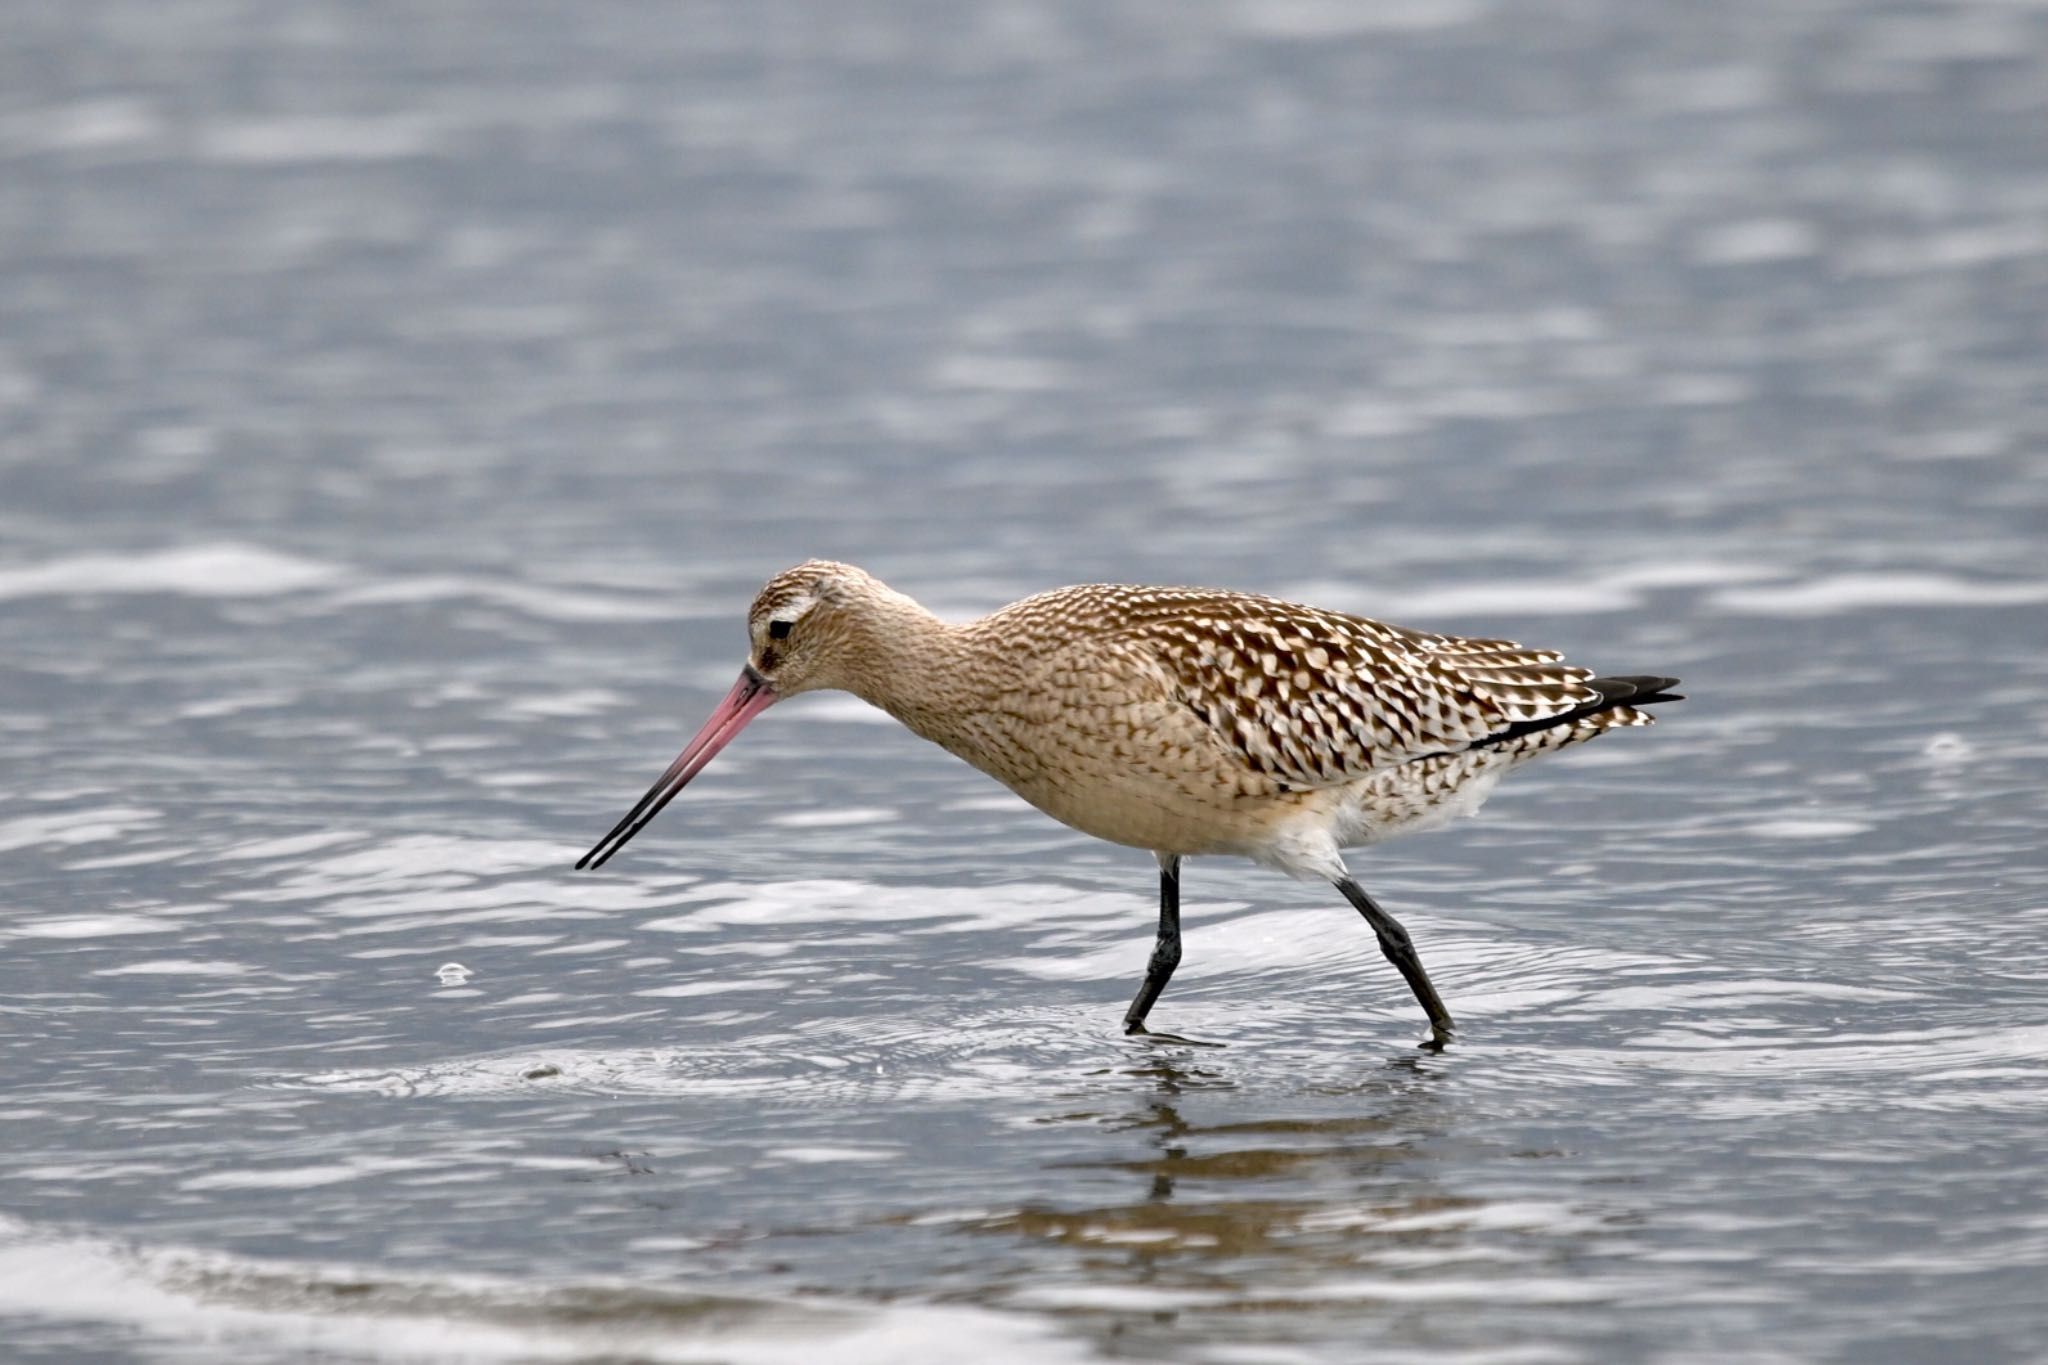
point(1181, 720)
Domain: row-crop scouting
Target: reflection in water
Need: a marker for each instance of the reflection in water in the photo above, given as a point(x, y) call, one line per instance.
point(1298, 1229)
point(1246, 1211)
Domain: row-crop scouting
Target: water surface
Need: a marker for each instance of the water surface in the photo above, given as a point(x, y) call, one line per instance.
point(398, 409)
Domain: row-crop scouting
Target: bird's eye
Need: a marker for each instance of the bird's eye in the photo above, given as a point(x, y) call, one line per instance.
point(779, 630)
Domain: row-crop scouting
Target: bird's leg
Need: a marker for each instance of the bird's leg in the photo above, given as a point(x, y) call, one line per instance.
point(1400, 950)
point(1166, 952)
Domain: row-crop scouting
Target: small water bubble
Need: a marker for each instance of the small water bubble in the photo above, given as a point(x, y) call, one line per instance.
point(1948, 748)
point(453, 974)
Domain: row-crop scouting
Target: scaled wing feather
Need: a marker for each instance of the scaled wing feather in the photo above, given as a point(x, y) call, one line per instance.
point(1313, 698)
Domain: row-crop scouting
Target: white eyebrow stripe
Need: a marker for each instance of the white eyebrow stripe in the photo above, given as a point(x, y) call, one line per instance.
point(791, 611)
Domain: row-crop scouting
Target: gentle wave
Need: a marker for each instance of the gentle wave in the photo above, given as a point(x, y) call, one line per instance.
point(192, 571)
point(188, 1296)
point(228, 570)
point(1865, 591)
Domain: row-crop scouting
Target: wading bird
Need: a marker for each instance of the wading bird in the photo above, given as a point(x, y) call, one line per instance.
point(1186, 721)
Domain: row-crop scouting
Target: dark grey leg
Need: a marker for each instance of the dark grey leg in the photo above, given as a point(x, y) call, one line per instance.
point(1400, 951)
point(1166, 952)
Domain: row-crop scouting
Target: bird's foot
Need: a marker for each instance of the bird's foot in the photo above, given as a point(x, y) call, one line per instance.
point(1439, 1039)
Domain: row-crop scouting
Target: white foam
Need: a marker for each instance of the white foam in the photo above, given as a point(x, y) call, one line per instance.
point(1319, 19)
point(65, 828)
point(549, 604)
point(691, 989)
point(845, 901)
point(189, 1296)
point(820, 1154)
point(175, 966)
point(409, 857)
point(288, 846)
point(842, 815)
point(1860, 591)
point(220, 570)
point(1619, 588)
point(228, 569)
point(91, 926)
point(301, 1177)
point(1691, 573)
point(1266, 940)
point(1807, 827)
point(1529, 597)
point(584, 701)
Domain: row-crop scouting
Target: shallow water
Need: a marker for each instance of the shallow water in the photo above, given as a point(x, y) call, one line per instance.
point(398, 410)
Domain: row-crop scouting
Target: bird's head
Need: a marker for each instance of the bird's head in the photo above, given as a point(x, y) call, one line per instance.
point(810, 627)
point(805, 628)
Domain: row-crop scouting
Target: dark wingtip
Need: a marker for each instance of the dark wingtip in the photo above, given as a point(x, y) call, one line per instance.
point(1625, 690)
point(1634, 690)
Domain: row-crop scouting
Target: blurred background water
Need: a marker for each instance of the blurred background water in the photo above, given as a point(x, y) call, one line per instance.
point(400, 404)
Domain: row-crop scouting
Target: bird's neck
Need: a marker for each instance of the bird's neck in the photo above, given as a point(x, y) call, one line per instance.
point(912, 665)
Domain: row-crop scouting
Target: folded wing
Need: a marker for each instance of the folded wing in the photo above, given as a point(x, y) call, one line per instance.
point(1317, 699)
